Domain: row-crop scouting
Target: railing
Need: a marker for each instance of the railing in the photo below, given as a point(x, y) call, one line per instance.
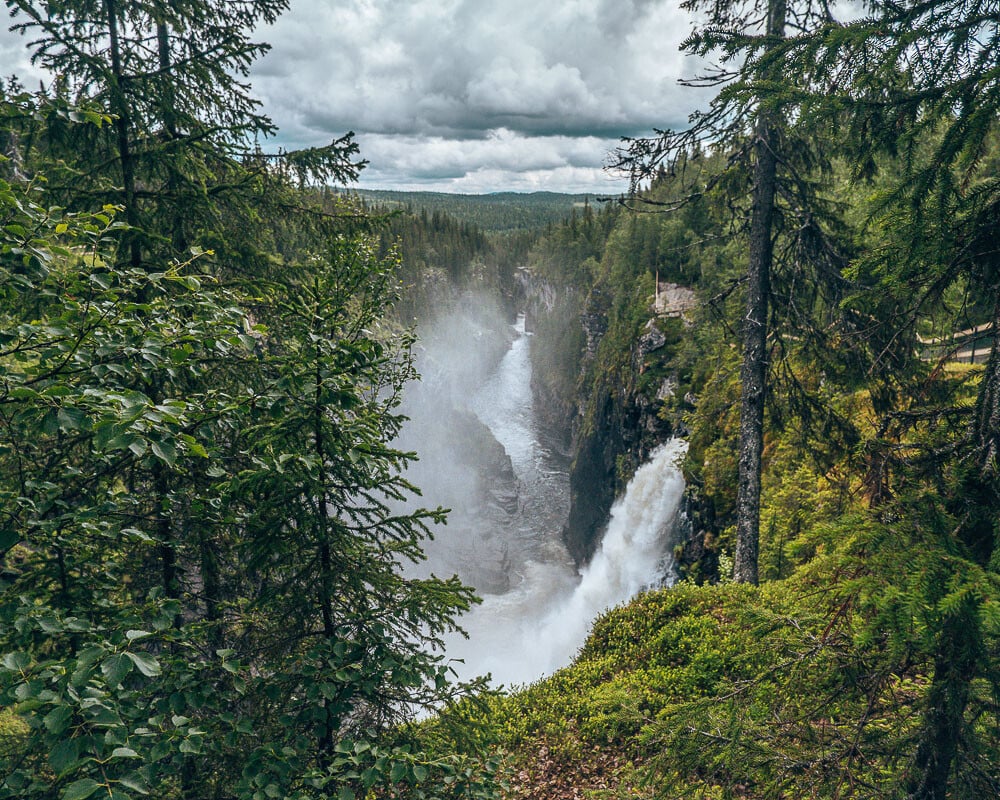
point(971, 346)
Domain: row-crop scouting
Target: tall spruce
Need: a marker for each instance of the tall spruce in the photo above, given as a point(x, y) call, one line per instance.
point(916, 86)
point(773, 164)
point(754, 368)
point(185, 459)
point(184, 155)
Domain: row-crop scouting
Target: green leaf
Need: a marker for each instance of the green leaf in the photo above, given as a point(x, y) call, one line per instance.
point(160, 750)
point(17, 662)
point(345, 793)
point(420, 772)
point(78, 790)
point(64, 754)
point(135, 782)
point(165, 451)
point(71, 419)
point(196, 448)
point(8, 538)
point(147, 664)
point(57, 720)
point(51, 625)
point(124, 752)
point(88, 656)
point(115, 669)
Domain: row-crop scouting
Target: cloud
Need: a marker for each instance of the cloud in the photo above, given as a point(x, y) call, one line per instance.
point(502, 160)
point(525, 92)
point(15, 60)
point(450, 90)
point(464, 67)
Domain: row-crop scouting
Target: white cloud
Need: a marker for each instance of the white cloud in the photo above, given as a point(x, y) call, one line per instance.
point(578, 66)
point(503, 149)
point(15, 60)
point(446, 90)
point(518, 91)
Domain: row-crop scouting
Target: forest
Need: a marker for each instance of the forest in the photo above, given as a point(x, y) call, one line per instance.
point(203, 352)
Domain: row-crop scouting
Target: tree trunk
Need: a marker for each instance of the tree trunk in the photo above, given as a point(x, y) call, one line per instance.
point(121, 131)
point(169, 113)
point(954, 668)
point(961, 642)
point(986, 434)
point(326, 741)
point(753, 372)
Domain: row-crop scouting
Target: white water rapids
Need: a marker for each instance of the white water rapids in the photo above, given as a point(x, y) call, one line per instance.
point(535, 619)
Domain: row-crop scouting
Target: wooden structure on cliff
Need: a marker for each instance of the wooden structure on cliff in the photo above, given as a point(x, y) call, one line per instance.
point(673, 300)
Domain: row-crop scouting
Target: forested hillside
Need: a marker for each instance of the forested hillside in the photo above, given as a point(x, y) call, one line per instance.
point(439, 254)
point(493, 213)
point(831, 222)
point(203, 347)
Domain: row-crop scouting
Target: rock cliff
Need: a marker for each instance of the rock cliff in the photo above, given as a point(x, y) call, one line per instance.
point(604, 398)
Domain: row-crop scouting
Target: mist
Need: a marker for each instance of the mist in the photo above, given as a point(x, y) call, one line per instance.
point(484, 455)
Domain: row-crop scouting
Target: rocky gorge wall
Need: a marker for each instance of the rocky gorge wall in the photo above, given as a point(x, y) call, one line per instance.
point(605, 388)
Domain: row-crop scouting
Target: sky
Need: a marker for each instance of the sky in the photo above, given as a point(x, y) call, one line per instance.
point(471, 95)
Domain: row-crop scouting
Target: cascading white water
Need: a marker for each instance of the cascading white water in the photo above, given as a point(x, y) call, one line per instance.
point(528, 634)
point(503, 536)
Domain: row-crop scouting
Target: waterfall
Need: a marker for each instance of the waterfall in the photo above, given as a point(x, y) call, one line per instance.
point(509, 491)
point(529, 633)
point(633, 553)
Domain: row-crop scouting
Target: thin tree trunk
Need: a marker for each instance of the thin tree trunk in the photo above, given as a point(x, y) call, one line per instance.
point(169, 113)
point(954, 668)
point(325, 555)
point(212, 587)
point(986, 435)
point(753, 372)
point(167, 90)
point(122, 133)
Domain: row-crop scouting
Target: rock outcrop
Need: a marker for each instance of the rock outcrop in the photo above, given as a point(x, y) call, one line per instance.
point(607, 414)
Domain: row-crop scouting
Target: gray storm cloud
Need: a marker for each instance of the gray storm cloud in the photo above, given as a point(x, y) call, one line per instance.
point(457, 93)
point(454, 69)
point(469, 95)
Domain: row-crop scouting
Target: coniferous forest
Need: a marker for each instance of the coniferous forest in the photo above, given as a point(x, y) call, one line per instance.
point(204, 349)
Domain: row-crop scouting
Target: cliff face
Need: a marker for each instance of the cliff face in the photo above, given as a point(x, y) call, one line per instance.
point(595, 386)
point(552, 317)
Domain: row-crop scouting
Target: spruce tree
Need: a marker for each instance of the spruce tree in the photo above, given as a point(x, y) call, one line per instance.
point(204, 523)
point(773, 163)
point(184, 156)
point(914, 87)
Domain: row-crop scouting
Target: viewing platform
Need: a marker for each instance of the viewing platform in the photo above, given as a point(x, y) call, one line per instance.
point(673, 300)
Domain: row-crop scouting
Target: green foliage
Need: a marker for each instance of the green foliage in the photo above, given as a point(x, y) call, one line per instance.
point(203, 520)
point(439, 255)
point(494, 213)
point(203, 524)
point(180, 152)
point(661, 649)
